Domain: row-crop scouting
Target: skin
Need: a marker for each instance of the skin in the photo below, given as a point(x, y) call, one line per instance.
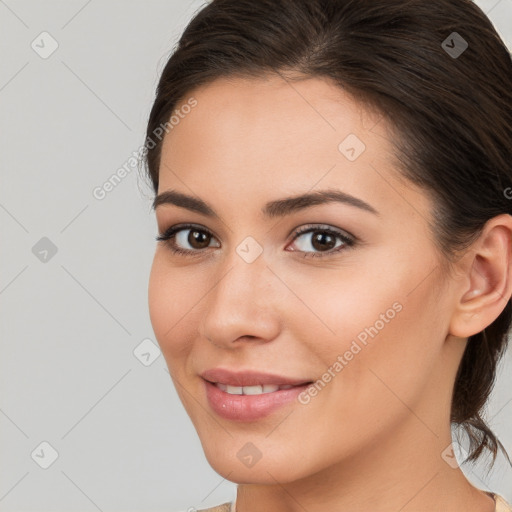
point(373, 437)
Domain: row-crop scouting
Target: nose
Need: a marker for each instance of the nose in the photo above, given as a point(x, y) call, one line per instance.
point(242, 305)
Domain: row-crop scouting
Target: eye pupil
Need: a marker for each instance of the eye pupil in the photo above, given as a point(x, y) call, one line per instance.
point(322, 241)
point(198, 237)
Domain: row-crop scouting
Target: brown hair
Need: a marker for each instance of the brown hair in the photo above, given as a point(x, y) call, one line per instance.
point(450, 105)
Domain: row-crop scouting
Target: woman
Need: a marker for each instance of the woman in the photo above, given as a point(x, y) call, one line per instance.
point(332, 280)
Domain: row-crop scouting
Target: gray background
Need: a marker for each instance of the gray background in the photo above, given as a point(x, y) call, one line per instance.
point(72, 323)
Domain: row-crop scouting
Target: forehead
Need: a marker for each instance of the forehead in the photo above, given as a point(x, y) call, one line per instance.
point(292, 112)
point(254, 140)
point(259, 123)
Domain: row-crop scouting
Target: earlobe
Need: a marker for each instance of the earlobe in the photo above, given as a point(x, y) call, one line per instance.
point(487, 286)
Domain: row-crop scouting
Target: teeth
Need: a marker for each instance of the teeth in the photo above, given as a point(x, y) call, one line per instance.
point(250, 390)
point(234, 390)
point(253, 390)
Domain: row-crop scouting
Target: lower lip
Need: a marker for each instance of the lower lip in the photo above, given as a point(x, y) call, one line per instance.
point(249, 407)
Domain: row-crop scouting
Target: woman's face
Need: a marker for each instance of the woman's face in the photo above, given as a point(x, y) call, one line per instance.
point(356, 304)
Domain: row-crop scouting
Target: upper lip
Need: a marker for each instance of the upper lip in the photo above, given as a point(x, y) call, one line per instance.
point(249, 378)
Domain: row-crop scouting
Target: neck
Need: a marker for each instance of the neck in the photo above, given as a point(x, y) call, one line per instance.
point(405, 475)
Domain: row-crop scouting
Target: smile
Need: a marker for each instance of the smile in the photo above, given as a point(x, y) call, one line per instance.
point(250, 403)
point(250, 390)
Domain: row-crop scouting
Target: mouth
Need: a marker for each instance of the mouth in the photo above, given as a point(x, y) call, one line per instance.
point(257, 389)
point(251, 403)
point(252, 381)
point(250, 395)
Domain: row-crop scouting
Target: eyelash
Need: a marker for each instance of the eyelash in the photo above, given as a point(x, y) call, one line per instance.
point(169, 238)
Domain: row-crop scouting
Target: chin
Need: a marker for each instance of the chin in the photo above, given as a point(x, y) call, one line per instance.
point(230, 464)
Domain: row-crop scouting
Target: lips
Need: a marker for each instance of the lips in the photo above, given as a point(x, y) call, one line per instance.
point(250, 395)
point(250, 379)
point(250, 407)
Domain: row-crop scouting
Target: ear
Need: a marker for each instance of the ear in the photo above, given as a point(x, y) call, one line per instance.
point(486, 284)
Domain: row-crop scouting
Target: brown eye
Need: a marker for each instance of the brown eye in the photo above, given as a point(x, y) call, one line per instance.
point(320, 241)
point(323, 241)
point(187, 240)
point(198, 239)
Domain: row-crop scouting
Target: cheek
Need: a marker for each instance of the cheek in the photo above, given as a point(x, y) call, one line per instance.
point(387, 366)
point(381, 335)
point(170, 300)
point(359, 300)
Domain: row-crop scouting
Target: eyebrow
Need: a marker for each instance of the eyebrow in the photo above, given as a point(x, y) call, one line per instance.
point(272, 209)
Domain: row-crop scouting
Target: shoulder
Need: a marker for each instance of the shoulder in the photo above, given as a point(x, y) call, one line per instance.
point(501, 504)
point(225, 507)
